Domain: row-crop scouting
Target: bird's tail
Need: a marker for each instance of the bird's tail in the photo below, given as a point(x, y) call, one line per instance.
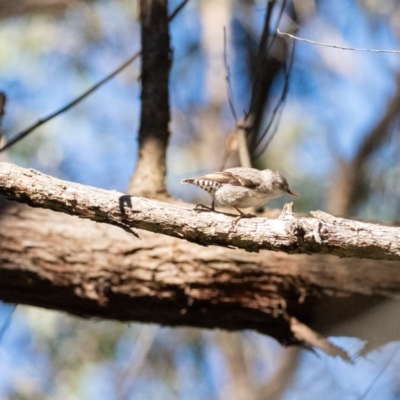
point(187, 180)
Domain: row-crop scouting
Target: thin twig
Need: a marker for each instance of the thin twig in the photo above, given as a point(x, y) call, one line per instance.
point(234, 134)
point(42, 121)
point(334, 46)
point(228, 81)
point(277, 24)
point(278, 108)
point(177, 10)
point(260, 86)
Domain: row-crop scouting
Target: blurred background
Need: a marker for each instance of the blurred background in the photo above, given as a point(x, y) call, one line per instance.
point(330, 125)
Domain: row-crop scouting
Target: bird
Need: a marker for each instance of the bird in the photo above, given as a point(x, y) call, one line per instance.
point(241, 188)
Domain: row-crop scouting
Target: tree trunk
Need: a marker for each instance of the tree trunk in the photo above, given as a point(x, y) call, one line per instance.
point(149, 176)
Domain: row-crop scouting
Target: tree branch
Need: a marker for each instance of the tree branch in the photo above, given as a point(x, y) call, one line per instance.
point(323, 234)
point(59, 262)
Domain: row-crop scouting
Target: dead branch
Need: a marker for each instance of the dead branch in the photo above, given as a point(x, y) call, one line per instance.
point(322, 234)
point(335, 46)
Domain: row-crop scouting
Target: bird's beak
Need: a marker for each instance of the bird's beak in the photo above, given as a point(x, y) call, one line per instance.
point(292, 193)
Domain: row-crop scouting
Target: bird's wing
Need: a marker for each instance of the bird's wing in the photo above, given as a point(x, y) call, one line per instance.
point(219, 177)
point(231, 178)
point(243, 177)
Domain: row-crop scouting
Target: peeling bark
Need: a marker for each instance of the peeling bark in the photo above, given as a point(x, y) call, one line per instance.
point(323, 234)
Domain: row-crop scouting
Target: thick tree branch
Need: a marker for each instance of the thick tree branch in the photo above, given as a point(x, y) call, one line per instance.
point(323, 234)
point(56, 261)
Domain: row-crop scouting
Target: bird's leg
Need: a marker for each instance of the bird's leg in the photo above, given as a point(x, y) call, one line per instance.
point(242, 215)
point(203, 207)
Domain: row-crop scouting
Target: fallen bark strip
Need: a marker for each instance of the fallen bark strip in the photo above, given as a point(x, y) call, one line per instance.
point(323, 234)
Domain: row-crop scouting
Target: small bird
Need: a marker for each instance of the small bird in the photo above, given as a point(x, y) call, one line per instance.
point(242, 188)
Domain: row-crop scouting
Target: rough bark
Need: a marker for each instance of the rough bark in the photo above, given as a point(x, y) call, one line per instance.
point(60, 262)
point(322, 234)
point(148, 179)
